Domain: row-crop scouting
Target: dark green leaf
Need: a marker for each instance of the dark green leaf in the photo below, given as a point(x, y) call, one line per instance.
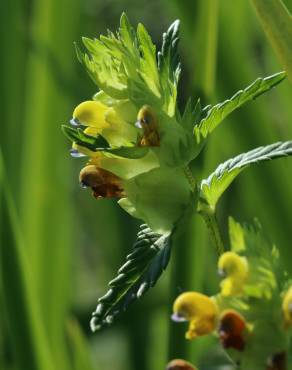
point(192, 114)
point(217, 113)
point(214, 186)
point(168, 59)
point(132, 152)
point(77, 136)
point(95, 144)
point(143, 267)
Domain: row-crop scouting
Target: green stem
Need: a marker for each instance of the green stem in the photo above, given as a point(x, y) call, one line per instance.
point(190, 177)
point(210, 219)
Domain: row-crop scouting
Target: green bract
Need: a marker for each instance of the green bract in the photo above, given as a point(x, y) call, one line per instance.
point(131, 75)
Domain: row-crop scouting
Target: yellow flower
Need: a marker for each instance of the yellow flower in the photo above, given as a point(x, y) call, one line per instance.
point(106, 121)
point(235, 270)
point(90, 113)
point(200, 310)
point(287, 307)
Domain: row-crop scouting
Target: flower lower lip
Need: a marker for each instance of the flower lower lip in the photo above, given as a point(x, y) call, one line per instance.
point(75, 122)
point(76, 154)
point(138, 124)
point(175, 317)
point(221, 273)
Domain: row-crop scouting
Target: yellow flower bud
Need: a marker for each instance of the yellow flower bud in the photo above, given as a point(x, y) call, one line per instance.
point(235, 270)
point(287, 307)
point(197, 308)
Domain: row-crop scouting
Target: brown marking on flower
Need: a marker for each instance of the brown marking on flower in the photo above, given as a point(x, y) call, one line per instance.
point(277, 362)
point(231, 330)
point(179, 364)
point(103, 183)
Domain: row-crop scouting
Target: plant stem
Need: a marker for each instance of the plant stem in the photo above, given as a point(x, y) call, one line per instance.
point(210, 219)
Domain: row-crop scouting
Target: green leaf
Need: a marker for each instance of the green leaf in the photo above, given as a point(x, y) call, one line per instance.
point(95, 144)
point(168, 59)
point(169, 67)
point(128, 35)
point(133, 152)
point(236, 235)
point(217, 113)
point(192, 114)
point(263, 258)
point(148, 67)
point(143, 267)
point(77, 136)
point(215, 185)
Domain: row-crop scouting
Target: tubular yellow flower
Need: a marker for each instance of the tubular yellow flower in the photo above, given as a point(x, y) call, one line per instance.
point(287, 307)
point(105, 121)
point(90, 113)
point(197, 308)
point(235, 270)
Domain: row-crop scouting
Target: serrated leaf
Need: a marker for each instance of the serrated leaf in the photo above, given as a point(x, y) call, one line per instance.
point(77, 136)
point(148, 64)
point(214, 186)
point(127, 34)
point(262, 259)
point(143, 267)
point(217, 113)
point(169, 67)
point(168, 60)
point(192, 114)
point(98, 143)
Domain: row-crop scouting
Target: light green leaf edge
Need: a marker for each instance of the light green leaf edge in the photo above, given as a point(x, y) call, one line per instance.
point(215, 185)
point(217, 113)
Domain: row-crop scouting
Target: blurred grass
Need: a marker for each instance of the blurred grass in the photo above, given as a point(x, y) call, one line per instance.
point(277, 24)
point(19, 293)
point(71, 244)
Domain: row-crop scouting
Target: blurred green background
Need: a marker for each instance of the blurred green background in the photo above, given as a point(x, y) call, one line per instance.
point(59, 246)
